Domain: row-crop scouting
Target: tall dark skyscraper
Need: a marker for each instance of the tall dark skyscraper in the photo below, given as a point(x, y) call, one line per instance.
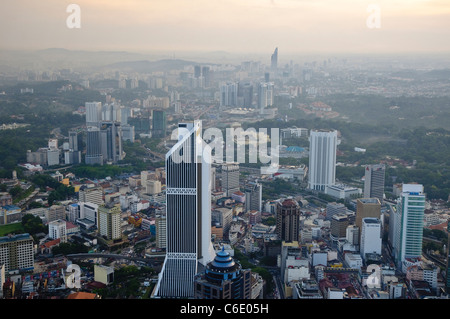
point(274, 61)
point(288, 220)
point(188, 218)
point(159, 123)
point(374, 181)
point(111, 141)
point(93, 147)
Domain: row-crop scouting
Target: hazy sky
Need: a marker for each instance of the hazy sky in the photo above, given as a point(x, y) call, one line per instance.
point(239, 26)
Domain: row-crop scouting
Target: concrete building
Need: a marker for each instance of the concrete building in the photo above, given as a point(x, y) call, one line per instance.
point(16, 252)
point(230, 178)
point(339, 224)
point(288, 220)
point(10, 214)
point(55, 212)
point(253, 196)
point(110, 222)
point(353, 260)
point(322, 159)
point(93, 113)
point(91, 195)
point(370, 237)
point(408, 219)
point(103, 274)
point(57, 229)
point(367, 207)
point(306, 289)
point(333, 209)
point(374, 181)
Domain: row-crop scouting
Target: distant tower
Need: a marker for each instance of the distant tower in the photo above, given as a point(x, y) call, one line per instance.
point(188, 216)
point(374, 181)
point(274, 61)
point(159, 124)
point(322, 159)
point(288, 220)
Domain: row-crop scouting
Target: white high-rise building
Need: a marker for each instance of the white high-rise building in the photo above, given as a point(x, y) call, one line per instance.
point(230, 178)
point(188, 216)
point(408, 219)
point(57, 229)
point(322, 159)
point(370, 237)
point(93, 113)
point(229, 94)
point(265, 95)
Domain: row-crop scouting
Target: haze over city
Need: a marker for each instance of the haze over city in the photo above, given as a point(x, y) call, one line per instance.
point(260, 150)
point(251, 26)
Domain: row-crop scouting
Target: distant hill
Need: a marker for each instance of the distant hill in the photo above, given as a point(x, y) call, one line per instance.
point(150, 66)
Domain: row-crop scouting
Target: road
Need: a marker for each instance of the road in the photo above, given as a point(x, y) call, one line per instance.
point(148, 260)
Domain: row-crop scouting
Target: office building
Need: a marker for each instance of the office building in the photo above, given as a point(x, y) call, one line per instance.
point(57, 229)
point(159, 124)
point(367, 207)
point(223, 279)
point(88, 215)
point(408, 219)
point(103, 274)
point(288, 220)
point(188, 216)
point(322, 159)
point(265, 95)
point(93, 113)
point(52, 156)
point(38, 157)
point(253, 196)
point(55, 212)
point(111, 142)
point(229, 94)
point(93, 147)
point(306, 289)
point(245, 95)
point(222, 216)
point(374, 181)
point(370, 237)
point(91, 195)
point(16, 252)
point(230, 178)
point(333, 209)
point(128, 132)
point(109, 222)
point(339, 224)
